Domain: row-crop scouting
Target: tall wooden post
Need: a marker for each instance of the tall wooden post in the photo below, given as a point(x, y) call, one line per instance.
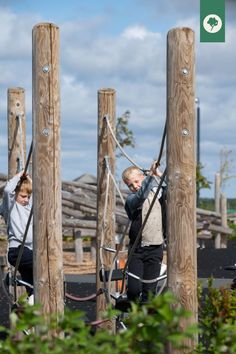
point(105, 228)
point(217, 206)
point(47, 224)
point(181, 167)
point(223, 210)
point(16, 130)
point(16, 139)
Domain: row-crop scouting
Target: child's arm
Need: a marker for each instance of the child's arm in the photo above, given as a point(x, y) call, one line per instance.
point(12, 183)
point(135, 201)
point(154, 170)
point(9, 195)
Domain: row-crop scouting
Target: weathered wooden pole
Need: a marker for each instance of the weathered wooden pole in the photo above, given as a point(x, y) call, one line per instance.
point(47, 224)
point(16, 141)
point(217, 206)
point(105, 196)
point(223, 210)
point(79, 256)
point(16, 130)
point(217, 192)
point(181, 167)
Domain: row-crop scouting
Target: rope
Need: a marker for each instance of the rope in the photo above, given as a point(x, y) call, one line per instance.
point(162, 146)
point(119, 146)
point(28, 158)
point(114, 181)
point(147, 281)
point(26, 229)
point(4, 286)
point(21, 160)
point(13, 141)
point(97, 323)
point(148, 213)
point(102, 237)
point(125, 272)
point(145, 221)
point(123, 235)
point(21, 252)
point(86, 298)
point(115, 259)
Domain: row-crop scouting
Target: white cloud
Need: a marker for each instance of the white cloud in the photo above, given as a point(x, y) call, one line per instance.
point(15, 39)
point(137, 32)
point(133, 62)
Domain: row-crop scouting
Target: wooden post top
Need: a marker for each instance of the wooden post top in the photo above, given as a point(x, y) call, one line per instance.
point(15, 89)
point(45, 24)
point(107, 90)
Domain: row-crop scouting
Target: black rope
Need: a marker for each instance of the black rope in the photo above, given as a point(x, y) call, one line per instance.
point(28, 158)
point(162, 146)
point(26, 229)
point(4, 284)
point(154, 198)
point(144, 222)
point(21, 252)
point(13, 140)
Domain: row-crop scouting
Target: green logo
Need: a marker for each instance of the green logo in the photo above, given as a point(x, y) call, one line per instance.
point(212, 23)
point(212, 20)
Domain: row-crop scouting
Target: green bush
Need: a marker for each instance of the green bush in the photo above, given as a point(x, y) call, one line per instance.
point(217, 320)
point(233, 227)
point(151, 328)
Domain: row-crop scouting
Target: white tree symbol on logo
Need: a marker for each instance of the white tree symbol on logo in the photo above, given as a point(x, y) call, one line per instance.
point(212, 23)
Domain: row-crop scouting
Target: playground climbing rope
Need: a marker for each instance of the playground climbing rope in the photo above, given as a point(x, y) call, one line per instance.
point(106, 290)
point(107, 276)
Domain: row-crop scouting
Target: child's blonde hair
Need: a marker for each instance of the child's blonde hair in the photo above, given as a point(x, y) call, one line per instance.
point(128, 171)
point(24, 185)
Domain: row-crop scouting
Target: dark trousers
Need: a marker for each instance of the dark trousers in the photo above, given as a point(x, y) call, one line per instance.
point(26, 265)
point(146, 264)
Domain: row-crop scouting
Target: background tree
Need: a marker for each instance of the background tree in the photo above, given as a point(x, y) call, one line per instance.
point(123, 134)
point(226, 166)
point(201, 183)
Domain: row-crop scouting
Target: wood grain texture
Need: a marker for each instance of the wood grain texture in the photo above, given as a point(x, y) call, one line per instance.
point(48, 265)
point(217, 205)
point(16, 140)
point(181, 166)
point(105, 228)
point(16, 130)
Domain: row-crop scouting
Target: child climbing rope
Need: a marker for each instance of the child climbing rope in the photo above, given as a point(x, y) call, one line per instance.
point(146, 259)
point(15, 209)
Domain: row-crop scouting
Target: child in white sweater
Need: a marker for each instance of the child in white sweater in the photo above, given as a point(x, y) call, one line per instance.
point(15, 209)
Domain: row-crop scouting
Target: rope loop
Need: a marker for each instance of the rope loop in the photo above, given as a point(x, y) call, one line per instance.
point(106, 118)
point(145, 171)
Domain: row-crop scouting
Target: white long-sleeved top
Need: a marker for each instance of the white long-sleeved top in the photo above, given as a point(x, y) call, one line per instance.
point(16, 216)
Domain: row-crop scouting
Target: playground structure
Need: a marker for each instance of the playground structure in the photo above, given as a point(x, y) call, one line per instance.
point(96, 211)
point(79, 203)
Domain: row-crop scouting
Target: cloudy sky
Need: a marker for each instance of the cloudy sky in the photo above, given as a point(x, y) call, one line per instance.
point(121, 45)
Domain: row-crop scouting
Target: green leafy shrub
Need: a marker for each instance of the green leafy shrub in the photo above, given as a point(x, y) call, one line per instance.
point(151, 328)
point(233, 227)
point(217, 320)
